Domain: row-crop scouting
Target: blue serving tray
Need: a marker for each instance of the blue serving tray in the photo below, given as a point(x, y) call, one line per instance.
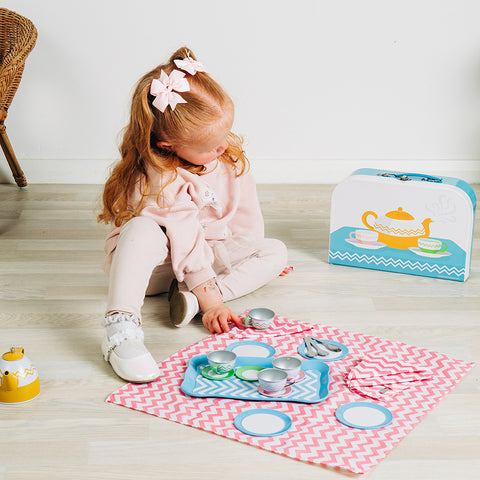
point(312, 389)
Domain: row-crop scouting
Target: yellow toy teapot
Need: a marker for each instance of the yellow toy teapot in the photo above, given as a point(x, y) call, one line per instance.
point(398, 229)
point(19, 381)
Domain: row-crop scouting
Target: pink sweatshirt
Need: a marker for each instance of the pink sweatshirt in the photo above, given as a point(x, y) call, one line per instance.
point(195, 211)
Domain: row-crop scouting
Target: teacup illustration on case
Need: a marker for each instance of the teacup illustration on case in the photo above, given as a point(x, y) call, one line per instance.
point(364, 239)
point(364, 236)
point(430, 247)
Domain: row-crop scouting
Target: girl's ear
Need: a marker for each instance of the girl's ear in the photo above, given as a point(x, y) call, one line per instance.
point(165, 145)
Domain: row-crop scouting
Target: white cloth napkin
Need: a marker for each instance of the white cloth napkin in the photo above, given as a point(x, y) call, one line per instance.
point(383, 377)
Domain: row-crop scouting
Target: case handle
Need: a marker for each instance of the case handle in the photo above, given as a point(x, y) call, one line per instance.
point(406, 177)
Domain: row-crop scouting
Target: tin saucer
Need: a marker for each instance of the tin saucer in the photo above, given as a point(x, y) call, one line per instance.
point(281, 393)
point(208, 373)
point(297, 379)
point(248, 373)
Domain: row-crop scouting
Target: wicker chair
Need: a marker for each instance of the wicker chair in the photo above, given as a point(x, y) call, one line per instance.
point(17, 39)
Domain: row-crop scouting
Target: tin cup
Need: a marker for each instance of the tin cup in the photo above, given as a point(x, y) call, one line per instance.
point(221, 361)
point(260, 318)
point(290, 365)
point(272, 379)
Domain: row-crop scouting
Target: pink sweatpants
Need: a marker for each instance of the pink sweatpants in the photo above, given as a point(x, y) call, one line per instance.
point(140, 265)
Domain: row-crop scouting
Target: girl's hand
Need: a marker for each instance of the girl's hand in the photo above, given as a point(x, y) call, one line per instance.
point(217, 319)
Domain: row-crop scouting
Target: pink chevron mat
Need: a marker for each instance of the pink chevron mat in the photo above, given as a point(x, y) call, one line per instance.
point(316, 436)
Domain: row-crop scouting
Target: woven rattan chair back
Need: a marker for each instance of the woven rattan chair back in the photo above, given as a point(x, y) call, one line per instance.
point(17, 39)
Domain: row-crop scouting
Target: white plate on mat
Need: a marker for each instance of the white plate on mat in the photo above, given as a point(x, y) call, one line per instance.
point(364, 415)
point(263, 422)
point(251, 348)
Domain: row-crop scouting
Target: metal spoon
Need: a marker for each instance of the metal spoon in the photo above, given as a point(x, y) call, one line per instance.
point(328, 346)
point(312, 349)
point(309, 350)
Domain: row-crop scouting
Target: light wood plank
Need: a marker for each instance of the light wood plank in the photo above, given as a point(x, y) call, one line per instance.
point(52, 299)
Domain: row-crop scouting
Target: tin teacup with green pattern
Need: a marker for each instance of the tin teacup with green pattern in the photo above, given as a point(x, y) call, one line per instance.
point(259, 318)
point(221, 361)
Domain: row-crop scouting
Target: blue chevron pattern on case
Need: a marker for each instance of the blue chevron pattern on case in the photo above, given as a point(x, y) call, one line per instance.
point(396, 265)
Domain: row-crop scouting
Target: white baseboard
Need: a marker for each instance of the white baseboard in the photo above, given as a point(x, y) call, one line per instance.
point(334, 171)
point(267, 171)
point(71, 171)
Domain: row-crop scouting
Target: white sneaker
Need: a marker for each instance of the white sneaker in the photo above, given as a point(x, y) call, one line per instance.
point(123, 347)
point(183, 305)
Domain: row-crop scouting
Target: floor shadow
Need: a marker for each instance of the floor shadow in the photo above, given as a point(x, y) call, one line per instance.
point(12, 199)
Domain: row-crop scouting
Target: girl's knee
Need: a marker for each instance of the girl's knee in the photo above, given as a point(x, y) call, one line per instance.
point(141, 225)
point(277, 249)
point(144, 232)
point(283, 252)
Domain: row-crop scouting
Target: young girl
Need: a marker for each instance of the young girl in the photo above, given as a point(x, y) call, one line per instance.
point(184, 214)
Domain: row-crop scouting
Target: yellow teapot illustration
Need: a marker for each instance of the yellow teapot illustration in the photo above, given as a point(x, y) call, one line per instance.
point(398, 229)
point(19, 381)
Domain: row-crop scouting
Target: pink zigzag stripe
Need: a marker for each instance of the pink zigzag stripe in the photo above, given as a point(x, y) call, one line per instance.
point(316, 436)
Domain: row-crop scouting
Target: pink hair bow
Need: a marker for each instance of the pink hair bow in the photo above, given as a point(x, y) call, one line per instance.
point(190, 65)
point(164, 88)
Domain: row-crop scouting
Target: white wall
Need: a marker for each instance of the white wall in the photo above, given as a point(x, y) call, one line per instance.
point(321, 87)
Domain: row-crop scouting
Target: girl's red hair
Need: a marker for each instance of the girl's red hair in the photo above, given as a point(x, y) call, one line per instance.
point(206, 104)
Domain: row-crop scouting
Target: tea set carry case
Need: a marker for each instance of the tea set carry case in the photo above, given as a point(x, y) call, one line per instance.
point(402, 208)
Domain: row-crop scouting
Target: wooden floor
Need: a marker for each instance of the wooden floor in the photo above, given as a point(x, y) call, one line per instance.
point(52, 298)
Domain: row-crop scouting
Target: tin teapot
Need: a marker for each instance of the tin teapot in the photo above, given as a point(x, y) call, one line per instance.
point(19, 381)
point(398, 229)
